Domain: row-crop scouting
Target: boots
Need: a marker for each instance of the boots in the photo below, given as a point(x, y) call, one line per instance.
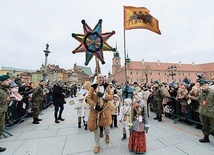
point(160, 118)
point(205, 139)
point(156, 118)
point(124, 137)
point(86, 126)
point(83, 120)
point(2, 149)
point(79, 122)
point(39, 119)
point(199, 126)
point(35, 121)
point(61, 119)
point(56, 121)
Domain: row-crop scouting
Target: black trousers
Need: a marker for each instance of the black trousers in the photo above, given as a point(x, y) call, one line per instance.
point(56, 110)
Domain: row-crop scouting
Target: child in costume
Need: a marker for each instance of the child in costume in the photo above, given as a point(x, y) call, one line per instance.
point(124, 116)
point(114, 112)
point(79, 107)
point(86, 106)
point(139, 126)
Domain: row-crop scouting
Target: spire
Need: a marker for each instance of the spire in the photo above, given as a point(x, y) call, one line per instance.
point(128, 60)
point(116, 53)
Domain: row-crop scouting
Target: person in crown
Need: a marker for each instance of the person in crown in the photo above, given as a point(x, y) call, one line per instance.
point(100, 115)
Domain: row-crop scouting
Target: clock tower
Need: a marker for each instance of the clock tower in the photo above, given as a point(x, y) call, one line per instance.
point(116, 65)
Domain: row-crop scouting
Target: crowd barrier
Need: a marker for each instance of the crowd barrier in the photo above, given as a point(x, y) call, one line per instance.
point(19, 110)
point(172, 109)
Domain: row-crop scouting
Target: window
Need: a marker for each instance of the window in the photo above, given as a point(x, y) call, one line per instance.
point(158, 73)
point(137, 73)
point(131, 73)
point(189, 74)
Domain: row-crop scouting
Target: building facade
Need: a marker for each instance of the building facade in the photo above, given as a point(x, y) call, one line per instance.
point(79, 74)
point(146, 72)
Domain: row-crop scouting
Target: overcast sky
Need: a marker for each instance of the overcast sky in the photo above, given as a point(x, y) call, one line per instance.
point(26, 26)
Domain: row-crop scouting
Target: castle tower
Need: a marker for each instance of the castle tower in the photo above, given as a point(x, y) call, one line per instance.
point(116, 64)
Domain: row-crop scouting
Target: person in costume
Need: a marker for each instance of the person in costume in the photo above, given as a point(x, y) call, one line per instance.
point(124, 116)
point(206, 110)
point(114, 112)
point(86, 106)
point(4, 100)
point(79, 107)
point(139, 127)
point(98, 96)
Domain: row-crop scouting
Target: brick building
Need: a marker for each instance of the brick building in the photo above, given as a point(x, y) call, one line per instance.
point(142, 71)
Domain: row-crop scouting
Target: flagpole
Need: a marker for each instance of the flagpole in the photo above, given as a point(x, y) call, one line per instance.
point(124, 46)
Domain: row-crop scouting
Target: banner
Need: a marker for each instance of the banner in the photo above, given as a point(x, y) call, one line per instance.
point(139, 18)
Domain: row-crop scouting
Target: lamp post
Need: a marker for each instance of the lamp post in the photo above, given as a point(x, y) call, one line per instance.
point(172, 69)
point(46, 59)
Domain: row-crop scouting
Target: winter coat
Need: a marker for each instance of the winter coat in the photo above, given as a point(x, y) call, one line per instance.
point(58, 97)
point(37, 97)
point(105, 115)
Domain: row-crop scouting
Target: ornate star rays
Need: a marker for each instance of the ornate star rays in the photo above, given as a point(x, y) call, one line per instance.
point(93, 42)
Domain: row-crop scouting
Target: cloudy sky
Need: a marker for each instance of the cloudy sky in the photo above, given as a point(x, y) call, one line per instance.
point(26, 26)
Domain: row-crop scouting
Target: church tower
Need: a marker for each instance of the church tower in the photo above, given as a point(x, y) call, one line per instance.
point(116, 64)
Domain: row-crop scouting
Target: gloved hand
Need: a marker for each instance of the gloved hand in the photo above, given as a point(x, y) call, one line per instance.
point(98, 108)
point(99, 94)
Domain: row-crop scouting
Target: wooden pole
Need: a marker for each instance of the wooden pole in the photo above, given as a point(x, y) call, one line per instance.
point(124, 44)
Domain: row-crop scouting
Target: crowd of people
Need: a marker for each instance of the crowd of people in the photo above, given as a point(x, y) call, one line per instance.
point(20, 99)
point(102, 105)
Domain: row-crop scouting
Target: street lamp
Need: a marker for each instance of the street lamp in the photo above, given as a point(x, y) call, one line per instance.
point(46, 59)
point(172, 69)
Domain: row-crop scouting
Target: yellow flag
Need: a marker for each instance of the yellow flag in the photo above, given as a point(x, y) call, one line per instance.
point(139, 18)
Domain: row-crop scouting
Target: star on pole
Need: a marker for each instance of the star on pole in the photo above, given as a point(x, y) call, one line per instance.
point(93, 42)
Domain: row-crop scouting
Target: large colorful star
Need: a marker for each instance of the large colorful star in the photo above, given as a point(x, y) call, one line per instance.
point(93, 42)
